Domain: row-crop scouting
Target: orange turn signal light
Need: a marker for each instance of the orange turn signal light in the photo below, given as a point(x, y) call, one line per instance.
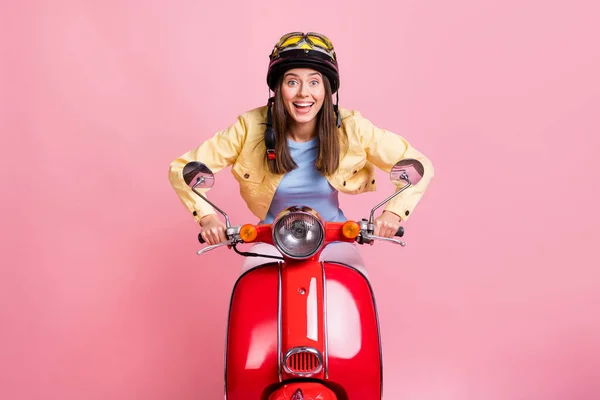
point(350, 229)
point(248, 233)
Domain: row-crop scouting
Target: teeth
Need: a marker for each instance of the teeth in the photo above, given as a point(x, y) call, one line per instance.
point(303, 104)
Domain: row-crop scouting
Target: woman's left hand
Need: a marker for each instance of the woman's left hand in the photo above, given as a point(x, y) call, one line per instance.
point(387, 224)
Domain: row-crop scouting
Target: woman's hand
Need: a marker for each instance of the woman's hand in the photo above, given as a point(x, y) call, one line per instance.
point(387, 224)
point(213, 229)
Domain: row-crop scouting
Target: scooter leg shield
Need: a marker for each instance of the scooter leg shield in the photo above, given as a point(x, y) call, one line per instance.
point(303, 391)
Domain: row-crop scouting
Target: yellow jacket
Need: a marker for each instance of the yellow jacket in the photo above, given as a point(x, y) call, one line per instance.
point(242, 146)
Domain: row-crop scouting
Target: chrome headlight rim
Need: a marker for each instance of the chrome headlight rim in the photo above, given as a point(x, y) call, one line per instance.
point(299, 210)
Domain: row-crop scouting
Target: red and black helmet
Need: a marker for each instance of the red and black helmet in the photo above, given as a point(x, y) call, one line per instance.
point(304, 50)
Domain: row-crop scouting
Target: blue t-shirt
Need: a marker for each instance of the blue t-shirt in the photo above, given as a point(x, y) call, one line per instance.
point(306, 186)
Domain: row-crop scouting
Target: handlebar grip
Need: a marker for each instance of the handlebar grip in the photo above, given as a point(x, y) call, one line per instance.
point(201, 239)
point(400, 232)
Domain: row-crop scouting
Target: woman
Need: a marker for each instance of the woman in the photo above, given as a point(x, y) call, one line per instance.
point(302, 149)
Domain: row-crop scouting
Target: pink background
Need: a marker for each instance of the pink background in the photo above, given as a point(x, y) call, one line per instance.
point(496, 295)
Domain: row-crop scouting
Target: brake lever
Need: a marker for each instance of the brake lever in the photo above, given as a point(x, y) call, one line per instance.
point(369, 238)
point(401, 243)
point(214, 246)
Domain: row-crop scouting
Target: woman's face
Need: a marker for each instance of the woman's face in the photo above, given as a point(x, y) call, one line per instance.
point(303, 91)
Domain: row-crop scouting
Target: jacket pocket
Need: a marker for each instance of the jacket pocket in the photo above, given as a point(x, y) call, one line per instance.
point(249, 175)
point(348, 171)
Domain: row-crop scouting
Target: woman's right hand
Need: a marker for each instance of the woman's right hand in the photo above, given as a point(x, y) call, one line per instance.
point(213, 229)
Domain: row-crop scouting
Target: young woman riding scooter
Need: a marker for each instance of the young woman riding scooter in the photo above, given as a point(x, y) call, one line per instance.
point(304, 288)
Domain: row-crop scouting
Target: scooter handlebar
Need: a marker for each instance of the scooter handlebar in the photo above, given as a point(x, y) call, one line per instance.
point(399, 233)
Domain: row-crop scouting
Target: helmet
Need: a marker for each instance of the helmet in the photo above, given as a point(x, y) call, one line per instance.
point(303, 50)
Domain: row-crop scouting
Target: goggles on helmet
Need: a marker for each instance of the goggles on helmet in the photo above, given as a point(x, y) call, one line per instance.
point(304, 41)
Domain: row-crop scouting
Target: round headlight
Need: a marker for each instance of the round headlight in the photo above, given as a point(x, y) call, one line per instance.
point(298, 232)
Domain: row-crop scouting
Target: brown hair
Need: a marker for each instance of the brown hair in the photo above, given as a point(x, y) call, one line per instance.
point(329, 141)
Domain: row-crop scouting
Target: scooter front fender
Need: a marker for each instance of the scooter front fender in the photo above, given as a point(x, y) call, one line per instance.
point(303, 391)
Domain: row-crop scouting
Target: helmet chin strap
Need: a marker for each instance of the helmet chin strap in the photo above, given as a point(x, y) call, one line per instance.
point(338, 117)
point(270, 132)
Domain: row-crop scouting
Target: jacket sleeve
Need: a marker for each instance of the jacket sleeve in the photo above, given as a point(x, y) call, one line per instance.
point(384, 149)
point(218, 152)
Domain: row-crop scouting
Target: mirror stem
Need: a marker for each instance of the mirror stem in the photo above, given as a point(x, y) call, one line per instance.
point(372, 216)
point(209, 202)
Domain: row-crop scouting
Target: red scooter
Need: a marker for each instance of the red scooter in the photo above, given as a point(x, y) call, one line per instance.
point(299, 328)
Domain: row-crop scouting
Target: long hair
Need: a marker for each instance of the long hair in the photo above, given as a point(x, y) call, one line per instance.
point(329, 142)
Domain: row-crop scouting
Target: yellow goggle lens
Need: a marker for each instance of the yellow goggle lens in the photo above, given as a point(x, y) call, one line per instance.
point(320, 42)
point(290, 41)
